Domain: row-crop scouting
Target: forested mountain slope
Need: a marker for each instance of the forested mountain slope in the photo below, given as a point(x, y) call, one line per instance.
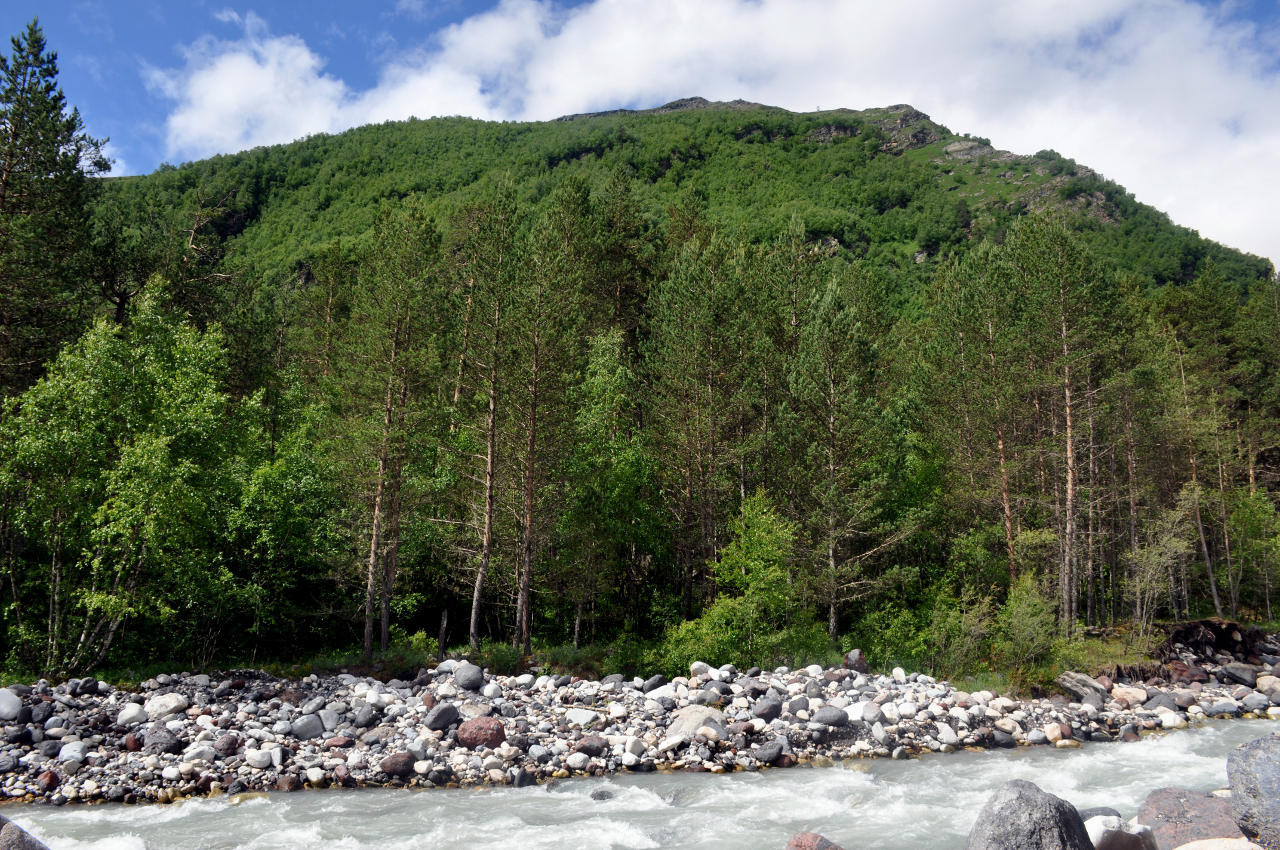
point(712, 381)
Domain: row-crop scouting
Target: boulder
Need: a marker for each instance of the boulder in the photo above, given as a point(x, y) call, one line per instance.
point(686, 721)
point(767, 708)
point(1020, 816)
point(160, 740)
point(441, 717)
point(308, 726)
point(164, 705)
point(14, 837)
point(831, 716)
point(1254, 772)
point(768, 752)
point(481, 732)
point(810, 841)
point(1245, 674)
point(397, 764)
point(1178, 816)
point(1109, 832)
point(131, 715)
point(10, 704)
point(468, 676)
point(1079, 685)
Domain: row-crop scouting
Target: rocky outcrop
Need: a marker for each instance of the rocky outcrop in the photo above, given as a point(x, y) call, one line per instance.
point(1178, 816)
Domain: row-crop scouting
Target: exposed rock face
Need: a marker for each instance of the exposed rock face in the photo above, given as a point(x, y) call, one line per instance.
point(1019, 816)
point(1254, 772)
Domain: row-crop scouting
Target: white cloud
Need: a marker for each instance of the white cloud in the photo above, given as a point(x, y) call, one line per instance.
point(1177, 101)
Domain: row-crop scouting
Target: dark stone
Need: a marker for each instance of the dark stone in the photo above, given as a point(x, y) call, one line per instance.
point(290, 782)
point(227, 745)
point(397, 764)
point(831, 716)
point(21, 735)
point(592, 745)
point(1179, 816)
point(342, 776)
point(1079, 685)
point(86, 687)
point(441, 717)
point(768, 752)
point(468, 676)
point(1245, 674)
point(160, 740)
point(1094, 700)
point(666, 703)
point(114, 793)
point(653, 682)
point(522, 778)
point(1253, 770)
point(613, 679)
point(132, 742)
point(8, 764)
point(40, 712)
point(1002, 739)
point(561, 681)
point(481, 732)
point(1159, 699)
point(1019, 816)
point(1223, 707)
point(767, 708)
point(237, 787)
point(810, 841)
point(800, 703)
point(853, 660)
point(601, 794)
point(721, 688)
point(24, 715)
point(49, 749)
point(753, 688)
point(366, 716)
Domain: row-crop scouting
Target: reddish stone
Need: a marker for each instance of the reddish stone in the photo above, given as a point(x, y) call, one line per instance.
point(397, 764)
point(339, 742)
point(481, 732)
point(342, 775)
point(428, 701)
point(1105, 681)
point(592, 745)
point(740, 728)
point(48, 781)
point(1180, 671)
point(810, 841)
point(132, 743)
point(289, 782)
point(227, 745)
point(785, 760)
point(205, 783)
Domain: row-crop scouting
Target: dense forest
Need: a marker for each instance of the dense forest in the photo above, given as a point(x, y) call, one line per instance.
point(712, 381)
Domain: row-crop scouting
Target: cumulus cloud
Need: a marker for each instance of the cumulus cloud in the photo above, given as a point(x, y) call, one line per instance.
point(1176, 100)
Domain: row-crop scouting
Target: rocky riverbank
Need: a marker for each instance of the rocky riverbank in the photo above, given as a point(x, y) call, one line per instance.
point(455, 724)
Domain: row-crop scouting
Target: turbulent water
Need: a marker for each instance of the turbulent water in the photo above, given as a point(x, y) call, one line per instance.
point(926, 802)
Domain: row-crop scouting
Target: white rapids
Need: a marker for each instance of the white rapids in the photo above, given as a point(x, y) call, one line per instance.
point(927, 802)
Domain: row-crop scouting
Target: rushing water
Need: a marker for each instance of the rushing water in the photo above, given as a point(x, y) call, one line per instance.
point(926, 802)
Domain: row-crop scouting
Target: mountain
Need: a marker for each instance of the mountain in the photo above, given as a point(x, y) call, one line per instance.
point(889, 184)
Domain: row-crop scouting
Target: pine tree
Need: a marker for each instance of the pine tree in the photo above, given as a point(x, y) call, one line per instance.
point(46, 162)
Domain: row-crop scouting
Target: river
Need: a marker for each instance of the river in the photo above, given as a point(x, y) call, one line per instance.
point(926, 802)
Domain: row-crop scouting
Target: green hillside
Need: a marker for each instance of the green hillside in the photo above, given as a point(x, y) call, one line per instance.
point(886, 184)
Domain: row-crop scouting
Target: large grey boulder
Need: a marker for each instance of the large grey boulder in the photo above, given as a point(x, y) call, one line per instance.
point(1019, 816)
point(468, 676)
point(688, 720)
point(1254, 772)
point(1079, 685)
point(14, 837)
point(308, 726)
point(10, 704)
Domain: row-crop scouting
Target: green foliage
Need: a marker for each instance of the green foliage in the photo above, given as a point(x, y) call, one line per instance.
point(1025, 633)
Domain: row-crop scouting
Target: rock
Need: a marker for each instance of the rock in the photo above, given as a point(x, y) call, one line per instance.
point(593, 745)
point(131, 715)
point(260, 759)
point(1256, 702)
point(1160, 700)
point(1129, 695)
point(1219, 844)
point(1097, 811)
point(831, 716)
point(767, 708)
point(481, 732)
point(1245, 674)
point(47, 781)
point(1177, 816)
point(366, 716)
point(308, 726)
point(397, 764)
point(1020, 816)
point(441, 717)
point(289, 782)
point(227, 745)
point(10, 704)
point(164, 705)
point(14, 837)
point(161, 740)
point(854, 660)
point(581, 716)
point(685, 722)
point(1079, 685)
point(1181, 672)
point(653, 683)
point(468, 676)
point(1112, 833)
point(1254, 773)
point(577, 761)
point(768, 752)
point(811, 841)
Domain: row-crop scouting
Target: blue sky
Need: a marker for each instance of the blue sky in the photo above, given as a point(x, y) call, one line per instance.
point(1178, 100)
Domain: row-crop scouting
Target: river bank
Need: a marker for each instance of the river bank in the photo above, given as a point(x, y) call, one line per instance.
point(456, 725)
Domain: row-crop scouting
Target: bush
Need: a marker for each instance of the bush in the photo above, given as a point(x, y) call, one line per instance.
point(894, 636)
point(958, 633)
point(1026, 633)
point(500, 657)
